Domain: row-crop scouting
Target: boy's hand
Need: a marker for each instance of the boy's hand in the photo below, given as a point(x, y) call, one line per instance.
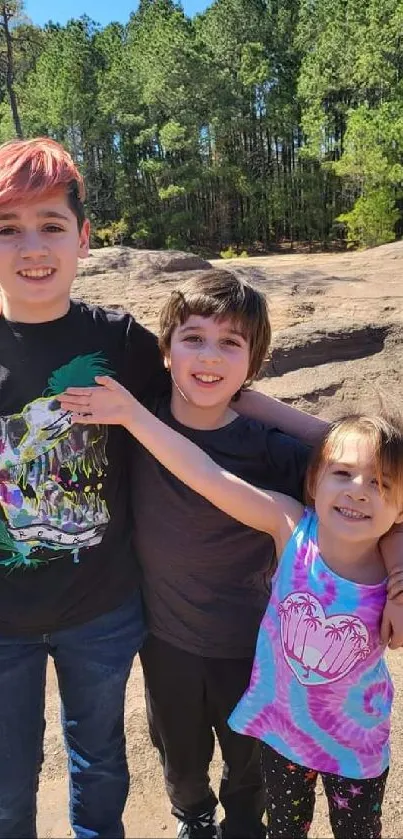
point(109, 404)
point(392, 625)
point(391, 546)
point(395, 586)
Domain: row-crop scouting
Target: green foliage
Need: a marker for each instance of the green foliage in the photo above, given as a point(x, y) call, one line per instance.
point(114, 234)
point(142, 236)
point(232, 253)
point(255, 122)
point(372, 220)
point(175, 243)
point(168, 193)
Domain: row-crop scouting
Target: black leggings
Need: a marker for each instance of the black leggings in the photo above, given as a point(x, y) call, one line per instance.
point(355, 806)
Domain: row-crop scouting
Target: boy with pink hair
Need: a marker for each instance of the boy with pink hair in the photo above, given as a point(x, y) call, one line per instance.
point(69, 580)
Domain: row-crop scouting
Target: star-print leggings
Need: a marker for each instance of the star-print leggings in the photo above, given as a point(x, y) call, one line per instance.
point(355, 807)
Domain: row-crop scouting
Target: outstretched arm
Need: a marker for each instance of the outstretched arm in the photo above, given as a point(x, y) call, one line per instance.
point(307, 428)
point(113, 404)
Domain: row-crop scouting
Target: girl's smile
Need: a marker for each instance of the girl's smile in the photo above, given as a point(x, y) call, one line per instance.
point(355, 507)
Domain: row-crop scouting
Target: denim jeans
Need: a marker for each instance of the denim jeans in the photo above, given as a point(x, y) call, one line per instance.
point(93, 663)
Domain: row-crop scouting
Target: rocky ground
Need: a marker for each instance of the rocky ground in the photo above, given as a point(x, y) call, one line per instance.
point(337, 346)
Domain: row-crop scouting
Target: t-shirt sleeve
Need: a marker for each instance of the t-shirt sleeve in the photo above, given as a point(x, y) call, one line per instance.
point(145, 375)
point(287, 459)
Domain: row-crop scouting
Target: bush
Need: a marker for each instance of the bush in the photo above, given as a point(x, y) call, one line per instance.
point(231, 253)
point(114, 234)
point(175, 243)
point(372, 220)
point(142, 236)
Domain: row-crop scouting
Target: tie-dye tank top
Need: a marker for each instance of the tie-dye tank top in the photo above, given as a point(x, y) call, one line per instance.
point(320, 691)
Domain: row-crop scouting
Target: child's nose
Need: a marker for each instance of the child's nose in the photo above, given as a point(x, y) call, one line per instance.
point(210, 353)
point(357, 487)
point(33, 245)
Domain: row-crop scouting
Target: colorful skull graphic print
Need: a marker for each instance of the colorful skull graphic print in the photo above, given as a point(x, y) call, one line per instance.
point(51, 475)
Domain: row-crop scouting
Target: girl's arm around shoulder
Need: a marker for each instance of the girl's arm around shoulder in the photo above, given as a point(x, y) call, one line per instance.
point(269, 512)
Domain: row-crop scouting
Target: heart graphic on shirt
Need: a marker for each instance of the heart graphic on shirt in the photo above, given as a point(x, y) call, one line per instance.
point(320, 648)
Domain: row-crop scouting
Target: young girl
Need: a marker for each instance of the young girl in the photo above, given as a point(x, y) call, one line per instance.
point(320, 694)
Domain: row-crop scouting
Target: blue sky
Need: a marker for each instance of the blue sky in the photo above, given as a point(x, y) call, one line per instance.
point(102, 11)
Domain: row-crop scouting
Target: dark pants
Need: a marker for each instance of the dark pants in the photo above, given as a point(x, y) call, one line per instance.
point(188, 697)
point(355, 806)
point(93, 662)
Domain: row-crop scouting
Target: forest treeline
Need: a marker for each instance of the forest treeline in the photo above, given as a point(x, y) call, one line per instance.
point(256, 122)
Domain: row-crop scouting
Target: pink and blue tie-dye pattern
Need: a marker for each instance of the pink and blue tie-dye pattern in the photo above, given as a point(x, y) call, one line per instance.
point(320, 692)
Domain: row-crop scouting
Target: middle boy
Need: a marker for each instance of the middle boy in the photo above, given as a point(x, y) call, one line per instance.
point(206, 578)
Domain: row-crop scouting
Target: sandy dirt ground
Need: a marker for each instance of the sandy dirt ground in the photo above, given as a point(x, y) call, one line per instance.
point(147, 813)
point(300, 288)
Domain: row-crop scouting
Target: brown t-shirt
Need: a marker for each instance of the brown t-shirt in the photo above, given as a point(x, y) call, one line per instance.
point(206, 578)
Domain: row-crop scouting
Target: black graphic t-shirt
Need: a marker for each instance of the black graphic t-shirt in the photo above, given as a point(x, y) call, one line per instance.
point(65, 530)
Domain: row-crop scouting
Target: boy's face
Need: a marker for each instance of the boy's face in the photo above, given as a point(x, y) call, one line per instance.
point(209, 360)
point(39, 248)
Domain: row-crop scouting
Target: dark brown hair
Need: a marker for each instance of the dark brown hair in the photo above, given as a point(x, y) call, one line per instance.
point(220, 294)
point(384, 435)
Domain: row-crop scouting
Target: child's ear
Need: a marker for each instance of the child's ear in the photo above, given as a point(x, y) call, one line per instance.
point(84, 244)
point(167, 362)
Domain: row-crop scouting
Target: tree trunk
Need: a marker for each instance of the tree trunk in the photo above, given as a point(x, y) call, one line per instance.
point(10, 71)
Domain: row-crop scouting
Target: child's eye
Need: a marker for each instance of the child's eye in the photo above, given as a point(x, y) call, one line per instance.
point(344, 473)
point(231, 343)
point(53, 228)
point(8, 231)
point(192, 339)
point(384, 484)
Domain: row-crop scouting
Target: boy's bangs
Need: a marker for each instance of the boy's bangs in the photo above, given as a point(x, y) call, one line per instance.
point(226, 308)
point(33, 168)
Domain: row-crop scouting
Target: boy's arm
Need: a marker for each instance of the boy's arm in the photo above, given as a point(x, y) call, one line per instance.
point(307, 428)
point(392, 619)
point(113, 404)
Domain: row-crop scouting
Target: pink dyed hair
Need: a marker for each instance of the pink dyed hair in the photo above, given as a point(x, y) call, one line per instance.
point(30, 169)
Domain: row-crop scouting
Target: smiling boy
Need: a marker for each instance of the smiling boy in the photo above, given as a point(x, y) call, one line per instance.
point(68, 578)
point(206, 578)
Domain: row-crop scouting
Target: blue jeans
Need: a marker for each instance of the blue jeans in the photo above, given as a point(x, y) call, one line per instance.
point(93, 663)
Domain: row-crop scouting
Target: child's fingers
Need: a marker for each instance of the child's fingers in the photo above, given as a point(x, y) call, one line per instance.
point(103, 382)
point(108, 382)
point(395, 585)
point(78, 418)
point(84, 419)
point(74, 404)
point(75, 398)
point(385, 630)
point(80, 391)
